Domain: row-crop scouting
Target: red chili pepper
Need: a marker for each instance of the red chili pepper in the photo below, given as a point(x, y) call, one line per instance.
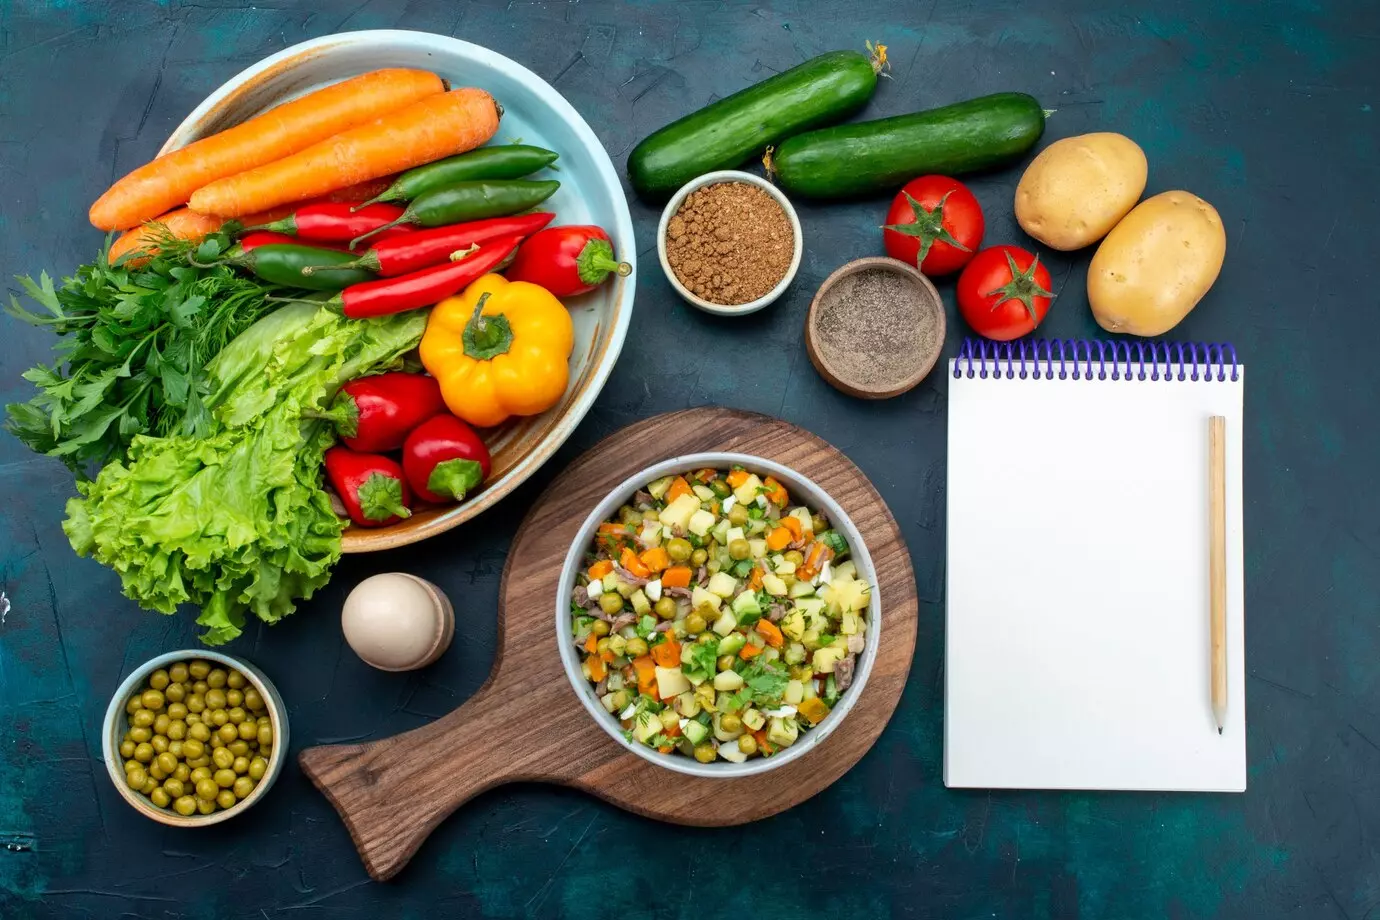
point(444, 459)
point(421, 288)
point(256, 238)
point(423, 248)
point(567, 260)
point(374, 414)
point(335, 222)
point(371, 486)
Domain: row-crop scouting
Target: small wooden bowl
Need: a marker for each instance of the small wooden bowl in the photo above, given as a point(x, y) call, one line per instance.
point(117, 723)
point(929, 306)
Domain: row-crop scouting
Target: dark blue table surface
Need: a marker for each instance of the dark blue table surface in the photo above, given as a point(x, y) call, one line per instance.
point(1264, 109)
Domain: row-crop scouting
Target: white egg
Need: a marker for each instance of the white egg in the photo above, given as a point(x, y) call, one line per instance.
point(397, 622)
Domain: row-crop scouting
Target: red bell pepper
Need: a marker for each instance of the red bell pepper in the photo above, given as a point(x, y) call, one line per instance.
point(371, 486)
point(400, 255)
point(374, 414)
point(567, 260)
point(444, 459)
point(421, 288)
point(336, 222)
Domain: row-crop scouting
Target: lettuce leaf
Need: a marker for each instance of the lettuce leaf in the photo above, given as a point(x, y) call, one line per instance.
point(236, 522)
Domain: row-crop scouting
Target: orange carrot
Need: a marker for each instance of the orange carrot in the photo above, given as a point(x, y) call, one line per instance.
point(749, 652)
point(815, 557)
point(706, 474)
point(182, 223)
point(793, 525)
point(645, 668)
point(655, 559)
point(776, 492)
point(600, 568)
point(737, 478)
point(437, 126)
point(755, 579)
point(678, 488)
point(597, 669)
point(282, 131)
point(779, 539)
point(677, 576)
point(592, 643)
point(763, 745)
point(770, 632)
point(630, 562)
point(667, 654)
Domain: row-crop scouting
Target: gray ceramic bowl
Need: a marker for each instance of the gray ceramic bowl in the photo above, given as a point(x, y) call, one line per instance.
point(801, 489)
point(117, 723)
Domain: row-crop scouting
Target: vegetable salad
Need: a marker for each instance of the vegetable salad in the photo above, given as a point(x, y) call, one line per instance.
point(716, 619)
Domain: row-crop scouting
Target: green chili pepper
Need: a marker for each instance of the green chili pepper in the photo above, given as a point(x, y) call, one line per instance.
point(471, 201)
point(510, 161)
point(281, 263)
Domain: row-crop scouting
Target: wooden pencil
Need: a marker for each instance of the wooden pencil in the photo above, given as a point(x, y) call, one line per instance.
point(1217, 564)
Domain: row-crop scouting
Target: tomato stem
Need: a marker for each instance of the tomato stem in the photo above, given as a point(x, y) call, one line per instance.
point(1022, 287)
point(928, 226)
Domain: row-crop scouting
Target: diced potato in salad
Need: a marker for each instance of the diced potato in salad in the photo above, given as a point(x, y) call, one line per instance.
point(715, 619)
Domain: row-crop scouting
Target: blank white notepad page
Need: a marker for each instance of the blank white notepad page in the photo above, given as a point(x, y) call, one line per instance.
point(1077, 644)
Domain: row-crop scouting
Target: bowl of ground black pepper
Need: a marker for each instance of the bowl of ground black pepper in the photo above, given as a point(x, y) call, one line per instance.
point(729, 242)
point(876, 328)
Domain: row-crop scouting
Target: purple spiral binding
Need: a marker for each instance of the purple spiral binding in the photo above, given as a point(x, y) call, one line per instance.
point(1117, 359)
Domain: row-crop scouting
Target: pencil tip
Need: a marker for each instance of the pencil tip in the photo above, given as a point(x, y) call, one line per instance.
point(1219, 729)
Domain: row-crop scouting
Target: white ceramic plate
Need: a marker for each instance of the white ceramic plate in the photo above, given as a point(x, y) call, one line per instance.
point(804, 491)
point(590, 193)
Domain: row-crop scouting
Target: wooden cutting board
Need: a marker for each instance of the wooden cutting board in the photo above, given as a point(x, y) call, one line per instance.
point(525, 724)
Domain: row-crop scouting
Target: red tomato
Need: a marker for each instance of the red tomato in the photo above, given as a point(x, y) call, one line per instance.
point(1004, 292)
point(935, 224)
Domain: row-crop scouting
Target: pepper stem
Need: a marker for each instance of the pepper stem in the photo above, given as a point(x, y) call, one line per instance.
point(596, 262)
point(454, 478)
point(486, 337)
point(380, 498)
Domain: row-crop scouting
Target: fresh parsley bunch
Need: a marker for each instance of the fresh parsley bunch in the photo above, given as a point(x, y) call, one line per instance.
point(132, 349)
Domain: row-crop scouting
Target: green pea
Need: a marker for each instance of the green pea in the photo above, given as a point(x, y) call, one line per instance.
point(177, 730)
point(133, 765)
point(201, 687)
point(175, 748)
point(136, 778)
point(699, 557)
point(707, 638)
point(599, 628)
point(199, 668)
point(166, 762)
point(152, 699)
point(144, 752)
point(226, 799)
point(161, 723)
point(174, 787)
point(695, 624)
point(747, 744)
point(235, 680)
point(127, 749)
point(737, 515)
point(134, 704)
point(178, 673)
point(203, 761)
point(265, 735)
point(222, 758)
point(628, 515)
point(159, 742)
point(206, 807)
point(185, 806)
point(207, 789)
point(177, 711)
point(249, 731)
point(156, 772)
point(253, 700)
point(215, 699)
point(818, 524)
point(726, 662)
point(140, 734)
point(243, 786)
point(240, 765)
point(665, 608)
point(224, 778)
point(199, 774)
point(158, 679)
point(142, 719)
point(739, 549)
point(237, 715)
point(240, 748)
point(794, 557)
point(182, 773)
point(679, 549)
point(611, 602)
point(234, 698)
point(199, 732)
point(705, 753)
point(196, 703)
point(228, 733)
point(149, 785)
point(730, 722)
point(160, 797)
point(192, 748)
point(219, 717)
point(258, 766)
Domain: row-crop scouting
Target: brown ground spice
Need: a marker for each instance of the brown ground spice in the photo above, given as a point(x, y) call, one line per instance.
point(873, 330)
point(730, 243)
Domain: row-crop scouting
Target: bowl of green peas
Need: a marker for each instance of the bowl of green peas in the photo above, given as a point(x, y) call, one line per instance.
point(194, 737)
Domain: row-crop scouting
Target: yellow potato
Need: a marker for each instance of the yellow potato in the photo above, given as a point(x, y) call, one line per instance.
point(1077, 189)
point(1155, 265)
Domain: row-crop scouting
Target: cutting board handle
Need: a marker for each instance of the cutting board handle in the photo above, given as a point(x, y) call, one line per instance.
point(393, 792)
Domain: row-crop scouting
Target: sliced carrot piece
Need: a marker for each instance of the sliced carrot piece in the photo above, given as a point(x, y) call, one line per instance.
point(667, 654)
point(736, 478)
point(655, 559)
point(600, 568)
point(645, 668)
point(749, 652)
point(769, 632)
point(630, 562)
point(778, 539)
point(598, 670)
point(592, 643)
point(776, 492)
point(678, 488)
point(677, 576)
point(793, 525)
point(755, 579)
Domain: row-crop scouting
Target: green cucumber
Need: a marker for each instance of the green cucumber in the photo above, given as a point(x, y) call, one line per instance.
point(727, 133)
point(876, 156)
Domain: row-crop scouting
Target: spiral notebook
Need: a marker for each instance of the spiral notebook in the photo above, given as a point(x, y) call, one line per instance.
point(1077, 639)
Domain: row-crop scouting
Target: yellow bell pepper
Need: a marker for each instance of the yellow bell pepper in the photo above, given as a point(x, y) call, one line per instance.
point(499, 349)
